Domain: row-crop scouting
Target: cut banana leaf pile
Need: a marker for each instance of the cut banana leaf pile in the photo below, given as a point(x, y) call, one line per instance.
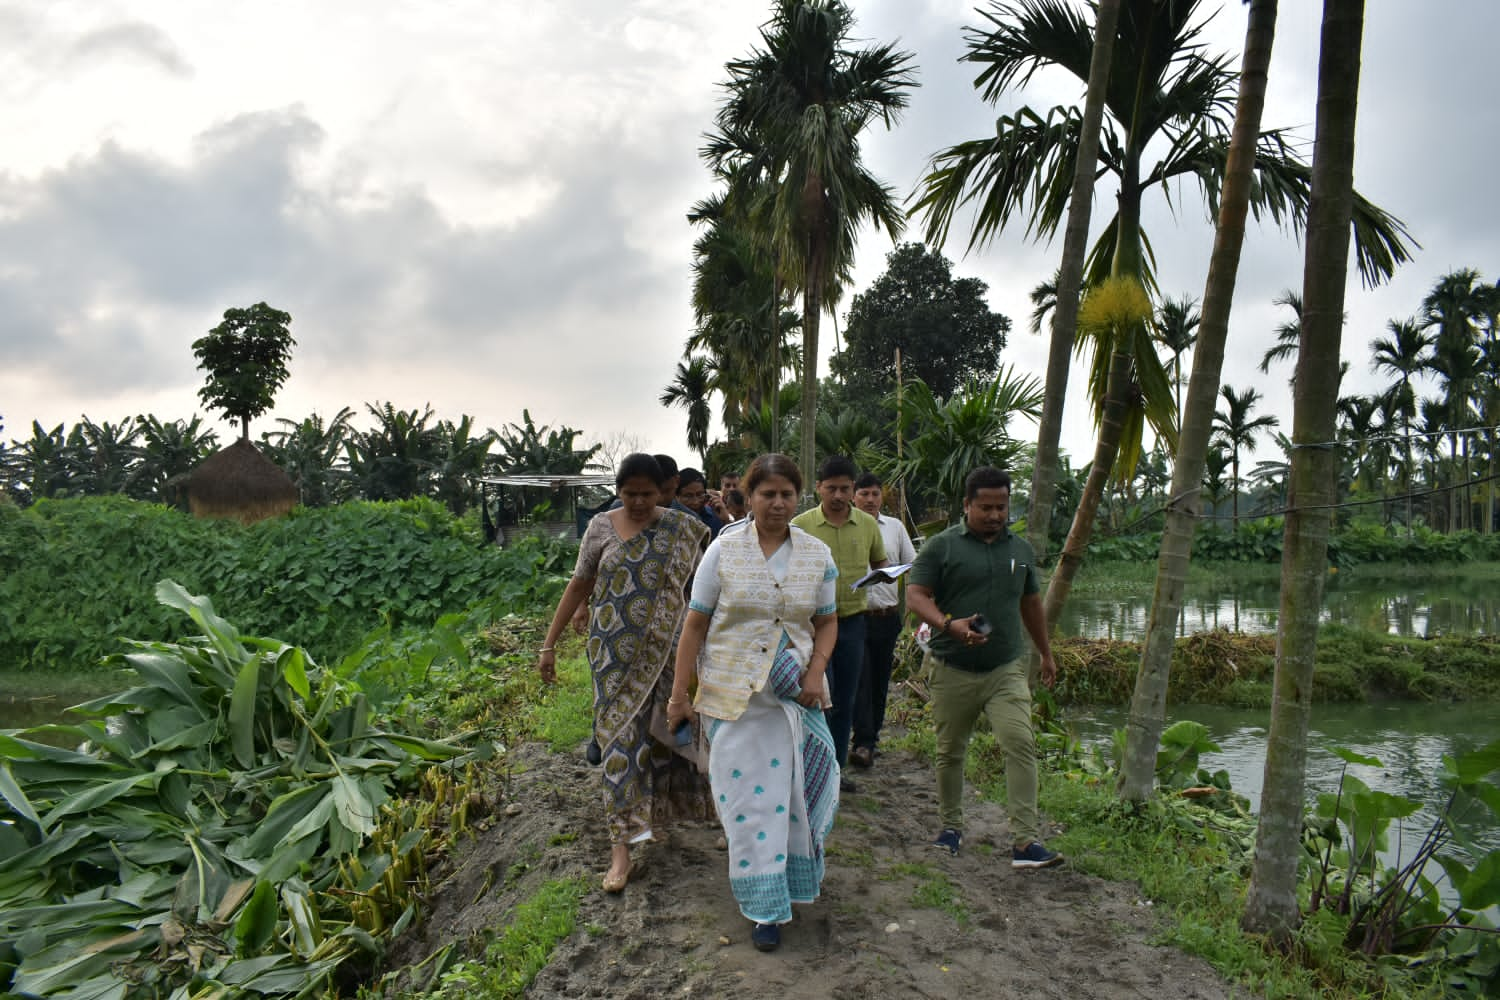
point(233, 825)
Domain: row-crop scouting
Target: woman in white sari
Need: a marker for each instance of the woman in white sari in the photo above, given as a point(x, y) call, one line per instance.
point(762, 616)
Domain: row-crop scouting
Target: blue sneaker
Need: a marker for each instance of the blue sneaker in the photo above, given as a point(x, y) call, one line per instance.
point(949, 840)
point(766, 937)
point(1034, 855)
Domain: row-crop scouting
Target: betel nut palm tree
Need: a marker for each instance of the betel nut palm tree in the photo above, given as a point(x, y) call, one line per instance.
point(1164, 93)
point(787, 133)
point(1236, 432)
point(1197, 472)
point(1404, 355)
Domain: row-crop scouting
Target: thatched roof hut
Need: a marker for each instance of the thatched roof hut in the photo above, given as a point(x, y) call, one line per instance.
point(241, 483)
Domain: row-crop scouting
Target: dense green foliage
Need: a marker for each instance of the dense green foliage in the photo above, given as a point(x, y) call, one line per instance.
point(1355, 544)
point(245, 360)
point(1370, 929)
point(942, 326)
point(77, 574)
point(1224, 668)
point(237, 824)
point(404, 454)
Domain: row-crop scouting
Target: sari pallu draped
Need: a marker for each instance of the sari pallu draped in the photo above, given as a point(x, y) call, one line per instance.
point(636, 614)
point(775, 785)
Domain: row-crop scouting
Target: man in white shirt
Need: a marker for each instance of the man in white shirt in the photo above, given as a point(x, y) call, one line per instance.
point(884, 625)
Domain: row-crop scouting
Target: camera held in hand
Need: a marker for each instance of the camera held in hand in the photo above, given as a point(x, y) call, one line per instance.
point(980, 625)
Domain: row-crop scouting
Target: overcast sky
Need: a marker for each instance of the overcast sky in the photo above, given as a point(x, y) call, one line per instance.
point(481, 206)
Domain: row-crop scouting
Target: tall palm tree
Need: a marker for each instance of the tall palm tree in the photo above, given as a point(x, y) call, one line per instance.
point(1162, 86)
point(1288, 333)
point(1068, 283)
point(1454, 308)
point(1163, 93)
point(1271, 907)
point(1176, 323)
point(740, 310)
point(1404, 355)
point(789, 131)
point(1199, 471)
point(689, 389)
point(1237, 432)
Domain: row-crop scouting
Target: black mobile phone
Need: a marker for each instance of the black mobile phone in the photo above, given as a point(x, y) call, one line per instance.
point(980, 625)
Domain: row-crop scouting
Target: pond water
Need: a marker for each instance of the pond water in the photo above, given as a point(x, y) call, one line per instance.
point(1409, 608)
point(1410, 740)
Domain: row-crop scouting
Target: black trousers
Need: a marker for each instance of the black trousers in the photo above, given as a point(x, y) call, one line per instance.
point(881, 633)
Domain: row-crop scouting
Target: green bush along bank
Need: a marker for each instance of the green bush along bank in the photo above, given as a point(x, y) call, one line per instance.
point(1227, 668)
point(76, 574)
point(1362, 542)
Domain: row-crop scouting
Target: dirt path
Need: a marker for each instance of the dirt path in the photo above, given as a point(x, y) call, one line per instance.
point(1054, 933)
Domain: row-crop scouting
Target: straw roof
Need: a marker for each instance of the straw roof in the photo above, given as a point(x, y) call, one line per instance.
point(241, 483)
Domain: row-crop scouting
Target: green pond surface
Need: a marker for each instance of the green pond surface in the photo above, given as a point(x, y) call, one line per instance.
point(1426, 608)
point(1410, 739)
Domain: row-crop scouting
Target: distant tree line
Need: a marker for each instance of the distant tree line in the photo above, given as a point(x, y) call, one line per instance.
point(403, 454)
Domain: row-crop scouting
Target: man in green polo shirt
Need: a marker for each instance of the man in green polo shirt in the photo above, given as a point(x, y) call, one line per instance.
point(854, 538)
point(975, 584)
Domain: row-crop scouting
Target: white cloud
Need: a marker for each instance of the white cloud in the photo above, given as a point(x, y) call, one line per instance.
point(482, 205)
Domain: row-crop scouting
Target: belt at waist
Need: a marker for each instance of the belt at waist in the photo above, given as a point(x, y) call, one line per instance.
point(885, 612)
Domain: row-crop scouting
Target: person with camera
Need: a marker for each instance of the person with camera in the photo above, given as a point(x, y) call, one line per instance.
point(975, 584)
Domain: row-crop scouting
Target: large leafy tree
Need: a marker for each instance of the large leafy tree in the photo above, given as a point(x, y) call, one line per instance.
point(787, 135)
point(245, 357)
point(942, 326)
point(1271, 905)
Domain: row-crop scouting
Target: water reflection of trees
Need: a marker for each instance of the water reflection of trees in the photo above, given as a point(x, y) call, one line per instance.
point(1456, 609)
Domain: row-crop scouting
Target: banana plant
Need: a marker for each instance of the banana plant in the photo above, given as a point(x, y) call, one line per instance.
point(231, 823)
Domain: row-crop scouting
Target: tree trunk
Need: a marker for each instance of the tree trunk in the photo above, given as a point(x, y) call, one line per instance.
point(1234, 500)
point(1271, 906)
point(1148, 705)
point(1111, 427)
point(812, 307)
point(1069, 282)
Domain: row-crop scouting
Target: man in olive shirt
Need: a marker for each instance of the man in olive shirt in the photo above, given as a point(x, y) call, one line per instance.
point(976, 585)
point(854, 538)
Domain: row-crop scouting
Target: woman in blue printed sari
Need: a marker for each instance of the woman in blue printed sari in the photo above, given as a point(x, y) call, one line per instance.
point(634, 566)
point(762, 616)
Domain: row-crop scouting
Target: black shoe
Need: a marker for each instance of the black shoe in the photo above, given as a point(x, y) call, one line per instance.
point(949, 840)
point(847, 786)
point(862, 756)
point(766, 937)
point(593, 754)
